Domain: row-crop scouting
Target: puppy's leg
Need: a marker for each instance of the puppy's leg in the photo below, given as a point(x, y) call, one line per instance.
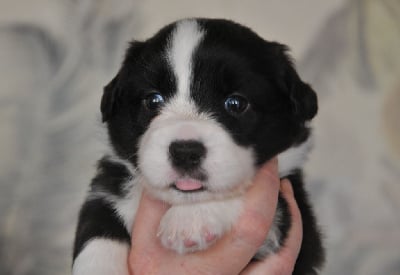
point(188, 228)
point(102, 238)
point(102, 241)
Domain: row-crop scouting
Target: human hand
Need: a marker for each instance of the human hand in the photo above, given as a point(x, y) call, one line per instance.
point(283, 262)
point(233, 252)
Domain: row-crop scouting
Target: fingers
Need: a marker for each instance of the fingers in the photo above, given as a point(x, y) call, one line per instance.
point(251, 230)
point(284, 261)
point(292, 244)
point(259, 208)
point(144, 243)
point(147, 220)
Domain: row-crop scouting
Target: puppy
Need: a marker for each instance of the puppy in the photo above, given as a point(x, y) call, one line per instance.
point(191, 115)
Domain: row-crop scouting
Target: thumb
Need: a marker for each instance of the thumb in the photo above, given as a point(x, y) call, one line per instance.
point(284, 260)
point(147, 220)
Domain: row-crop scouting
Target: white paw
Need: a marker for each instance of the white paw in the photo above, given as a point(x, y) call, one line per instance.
point(189, 228)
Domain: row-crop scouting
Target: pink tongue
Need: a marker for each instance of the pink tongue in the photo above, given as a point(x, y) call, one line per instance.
point(188, 184)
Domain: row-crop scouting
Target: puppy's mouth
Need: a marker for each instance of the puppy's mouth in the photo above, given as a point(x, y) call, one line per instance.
point(188, 185)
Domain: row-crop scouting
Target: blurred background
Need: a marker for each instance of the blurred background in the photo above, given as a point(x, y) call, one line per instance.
point(56, 55)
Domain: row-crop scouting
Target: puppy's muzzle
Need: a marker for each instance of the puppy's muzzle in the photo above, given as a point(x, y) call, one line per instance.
point(187, 155)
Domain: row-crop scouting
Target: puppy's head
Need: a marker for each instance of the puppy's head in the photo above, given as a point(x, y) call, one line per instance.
point(196, 108)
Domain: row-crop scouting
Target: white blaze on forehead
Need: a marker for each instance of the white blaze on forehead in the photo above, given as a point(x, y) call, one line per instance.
point(185, 38)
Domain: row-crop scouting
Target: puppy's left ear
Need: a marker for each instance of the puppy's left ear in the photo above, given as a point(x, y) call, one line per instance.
point(108, 101)
point(303, 99)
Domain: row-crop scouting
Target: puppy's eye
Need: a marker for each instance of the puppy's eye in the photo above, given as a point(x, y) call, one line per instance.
point(236, 104)
point(153, 101)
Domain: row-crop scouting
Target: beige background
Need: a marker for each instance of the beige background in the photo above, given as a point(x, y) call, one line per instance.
point(56, 55)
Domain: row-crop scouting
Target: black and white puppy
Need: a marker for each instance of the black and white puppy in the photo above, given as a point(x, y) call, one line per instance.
point(191, 115)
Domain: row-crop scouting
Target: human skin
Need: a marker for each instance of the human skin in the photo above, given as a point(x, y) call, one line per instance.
point(232, 253)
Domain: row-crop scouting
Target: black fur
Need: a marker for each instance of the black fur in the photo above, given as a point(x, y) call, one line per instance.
point(187, 155)
point(230, 59)
point(97, 217)
point(311, 252)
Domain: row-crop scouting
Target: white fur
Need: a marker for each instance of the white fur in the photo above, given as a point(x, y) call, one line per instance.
point(229, 167)
point(184, 41)
point(294, 157)
point(127, 206)
point(195, 221)
point(102, 257)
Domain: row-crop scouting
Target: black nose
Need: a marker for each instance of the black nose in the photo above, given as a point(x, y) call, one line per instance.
point(186, 154)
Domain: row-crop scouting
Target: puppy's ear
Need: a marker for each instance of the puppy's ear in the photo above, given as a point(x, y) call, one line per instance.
point(108, 101)
point(302, 97)
point(112, 90)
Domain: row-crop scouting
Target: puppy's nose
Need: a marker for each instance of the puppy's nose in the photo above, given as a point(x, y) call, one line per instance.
point(186, 154)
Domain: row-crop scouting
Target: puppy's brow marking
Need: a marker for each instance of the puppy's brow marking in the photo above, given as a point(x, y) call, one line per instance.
point(185, 39)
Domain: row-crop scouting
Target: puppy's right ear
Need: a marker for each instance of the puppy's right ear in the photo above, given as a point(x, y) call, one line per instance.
point(108, 101)
point(112, 90)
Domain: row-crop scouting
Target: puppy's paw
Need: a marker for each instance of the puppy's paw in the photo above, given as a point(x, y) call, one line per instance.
point(188, 229)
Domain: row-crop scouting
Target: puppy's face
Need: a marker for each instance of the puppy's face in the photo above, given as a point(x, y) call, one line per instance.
point(199, 106)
